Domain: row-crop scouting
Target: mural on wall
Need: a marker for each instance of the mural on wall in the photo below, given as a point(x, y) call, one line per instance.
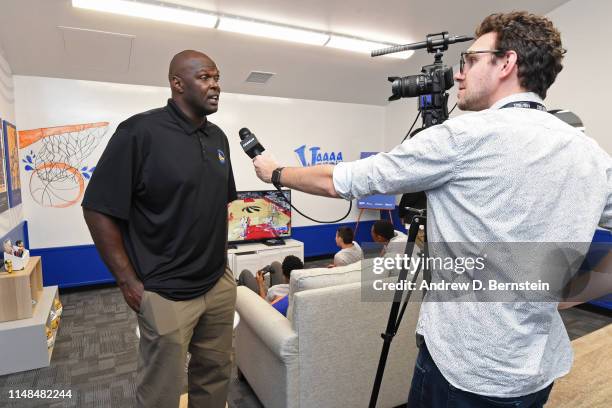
point(317, 156)
point(3, 190)
point(56, 159)
point(11, 152)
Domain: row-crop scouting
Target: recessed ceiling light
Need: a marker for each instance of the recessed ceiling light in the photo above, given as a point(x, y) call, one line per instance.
point(271, 30)
point(151, 11)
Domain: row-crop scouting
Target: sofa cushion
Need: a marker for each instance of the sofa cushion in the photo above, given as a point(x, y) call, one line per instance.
point(315, 278)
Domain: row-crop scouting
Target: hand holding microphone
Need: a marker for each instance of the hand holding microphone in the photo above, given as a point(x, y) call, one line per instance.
point(264, 165)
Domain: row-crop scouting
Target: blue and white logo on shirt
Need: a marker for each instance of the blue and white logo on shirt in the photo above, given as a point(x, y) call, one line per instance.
point(221, 156)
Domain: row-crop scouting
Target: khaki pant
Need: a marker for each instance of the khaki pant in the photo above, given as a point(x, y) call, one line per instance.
point(168, 329)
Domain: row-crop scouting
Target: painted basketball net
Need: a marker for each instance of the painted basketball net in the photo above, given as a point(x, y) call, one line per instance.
point(57, 160)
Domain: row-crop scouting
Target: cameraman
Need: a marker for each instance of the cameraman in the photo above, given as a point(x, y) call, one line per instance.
point(505, 173)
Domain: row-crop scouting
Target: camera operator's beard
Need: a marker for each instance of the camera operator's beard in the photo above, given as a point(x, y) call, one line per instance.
point(474, 100)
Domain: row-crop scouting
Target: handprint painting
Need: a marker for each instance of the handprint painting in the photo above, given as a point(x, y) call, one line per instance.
point(57, 161)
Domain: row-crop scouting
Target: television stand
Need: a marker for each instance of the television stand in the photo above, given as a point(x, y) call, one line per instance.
point(254, 256)
point(274, 242)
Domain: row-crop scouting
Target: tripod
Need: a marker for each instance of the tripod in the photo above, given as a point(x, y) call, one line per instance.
point(394, 320)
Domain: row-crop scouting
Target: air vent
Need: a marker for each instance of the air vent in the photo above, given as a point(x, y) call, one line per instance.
point(257, 77)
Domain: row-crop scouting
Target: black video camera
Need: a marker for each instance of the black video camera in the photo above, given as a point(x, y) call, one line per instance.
point(433, 81)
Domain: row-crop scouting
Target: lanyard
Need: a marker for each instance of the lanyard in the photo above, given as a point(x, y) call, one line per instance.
point(525, 104)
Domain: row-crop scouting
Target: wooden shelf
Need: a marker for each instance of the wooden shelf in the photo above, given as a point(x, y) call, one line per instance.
point(24, 341)
point(18, 289)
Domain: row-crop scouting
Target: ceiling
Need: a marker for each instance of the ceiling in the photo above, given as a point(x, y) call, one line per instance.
point(50, 38)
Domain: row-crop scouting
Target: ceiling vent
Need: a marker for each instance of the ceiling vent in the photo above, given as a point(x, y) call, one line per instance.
point(257, 77)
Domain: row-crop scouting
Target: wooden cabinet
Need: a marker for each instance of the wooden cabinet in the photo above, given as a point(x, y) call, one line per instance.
point(28, 329)
point(20, 291)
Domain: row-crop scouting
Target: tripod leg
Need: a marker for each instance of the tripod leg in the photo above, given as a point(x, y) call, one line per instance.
point(393, 321)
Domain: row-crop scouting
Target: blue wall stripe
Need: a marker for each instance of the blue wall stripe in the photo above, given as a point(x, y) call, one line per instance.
point(26, 235)
point(321, 239)
point(81, 265)
point(72, 266)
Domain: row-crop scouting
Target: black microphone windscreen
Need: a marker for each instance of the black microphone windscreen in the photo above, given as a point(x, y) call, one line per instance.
point(244, 132)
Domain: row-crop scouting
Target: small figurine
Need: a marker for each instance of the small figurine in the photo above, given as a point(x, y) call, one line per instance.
point(58, 307)
point(8, 246)
point(20, 248)
point(8, 265)
point(50, 337)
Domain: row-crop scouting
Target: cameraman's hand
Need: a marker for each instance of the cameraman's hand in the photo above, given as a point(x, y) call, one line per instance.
point(132, 291)
point(264, 166)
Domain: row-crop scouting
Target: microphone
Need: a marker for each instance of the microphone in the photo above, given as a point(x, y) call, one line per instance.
point(431, 44)
point(249, 143)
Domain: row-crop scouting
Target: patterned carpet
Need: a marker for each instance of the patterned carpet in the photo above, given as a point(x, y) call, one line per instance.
point(96, 350)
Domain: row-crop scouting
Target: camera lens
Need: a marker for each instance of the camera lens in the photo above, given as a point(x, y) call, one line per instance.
point(411, 86)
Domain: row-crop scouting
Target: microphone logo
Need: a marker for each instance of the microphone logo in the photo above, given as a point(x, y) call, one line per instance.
point(249, 143)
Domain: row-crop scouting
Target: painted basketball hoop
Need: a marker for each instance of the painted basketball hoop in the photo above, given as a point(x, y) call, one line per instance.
point(58, 169)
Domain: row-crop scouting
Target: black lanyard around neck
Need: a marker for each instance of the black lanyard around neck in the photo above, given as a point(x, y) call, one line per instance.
point(525, 105)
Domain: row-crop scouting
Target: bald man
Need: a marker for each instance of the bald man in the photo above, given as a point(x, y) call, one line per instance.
point(156, 208)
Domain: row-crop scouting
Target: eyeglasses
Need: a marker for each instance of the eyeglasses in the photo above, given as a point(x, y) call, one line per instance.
point(463, 54)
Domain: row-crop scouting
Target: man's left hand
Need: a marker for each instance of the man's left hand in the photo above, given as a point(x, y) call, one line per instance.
point(264, 166)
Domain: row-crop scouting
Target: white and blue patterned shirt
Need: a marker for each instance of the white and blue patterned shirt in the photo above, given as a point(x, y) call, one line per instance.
point(498, 175)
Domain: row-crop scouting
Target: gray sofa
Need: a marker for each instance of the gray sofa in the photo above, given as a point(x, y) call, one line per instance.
point(326, 354)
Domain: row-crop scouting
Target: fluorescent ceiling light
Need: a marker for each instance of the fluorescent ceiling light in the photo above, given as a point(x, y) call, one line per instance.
point(200, 18)
point(363, 46)
point(270, 30)
point(151, 11)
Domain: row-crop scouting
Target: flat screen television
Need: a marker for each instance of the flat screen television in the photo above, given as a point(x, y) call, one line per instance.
point(258, 216)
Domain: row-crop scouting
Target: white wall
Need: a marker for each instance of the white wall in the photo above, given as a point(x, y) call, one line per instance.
point(281, 124)
point(11, 218)
point(584, 84)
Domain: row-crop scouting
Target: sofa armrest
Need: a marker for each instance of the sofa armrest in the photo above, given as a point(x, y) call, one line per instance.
point(266, 323)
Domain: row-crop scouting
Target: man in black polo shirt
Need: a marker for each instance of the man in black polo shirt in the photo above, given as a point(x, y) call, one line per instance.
point(156, 208)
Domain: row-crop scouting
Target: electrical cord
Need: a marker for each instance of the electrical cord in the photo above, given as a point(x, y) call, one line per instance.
point(417, 118)
point(315, 220)
point(410, 130)
point(350, 202)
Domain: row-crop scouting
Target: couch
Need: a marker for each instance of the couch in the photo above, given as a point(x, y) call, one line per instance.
point(325, 354)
